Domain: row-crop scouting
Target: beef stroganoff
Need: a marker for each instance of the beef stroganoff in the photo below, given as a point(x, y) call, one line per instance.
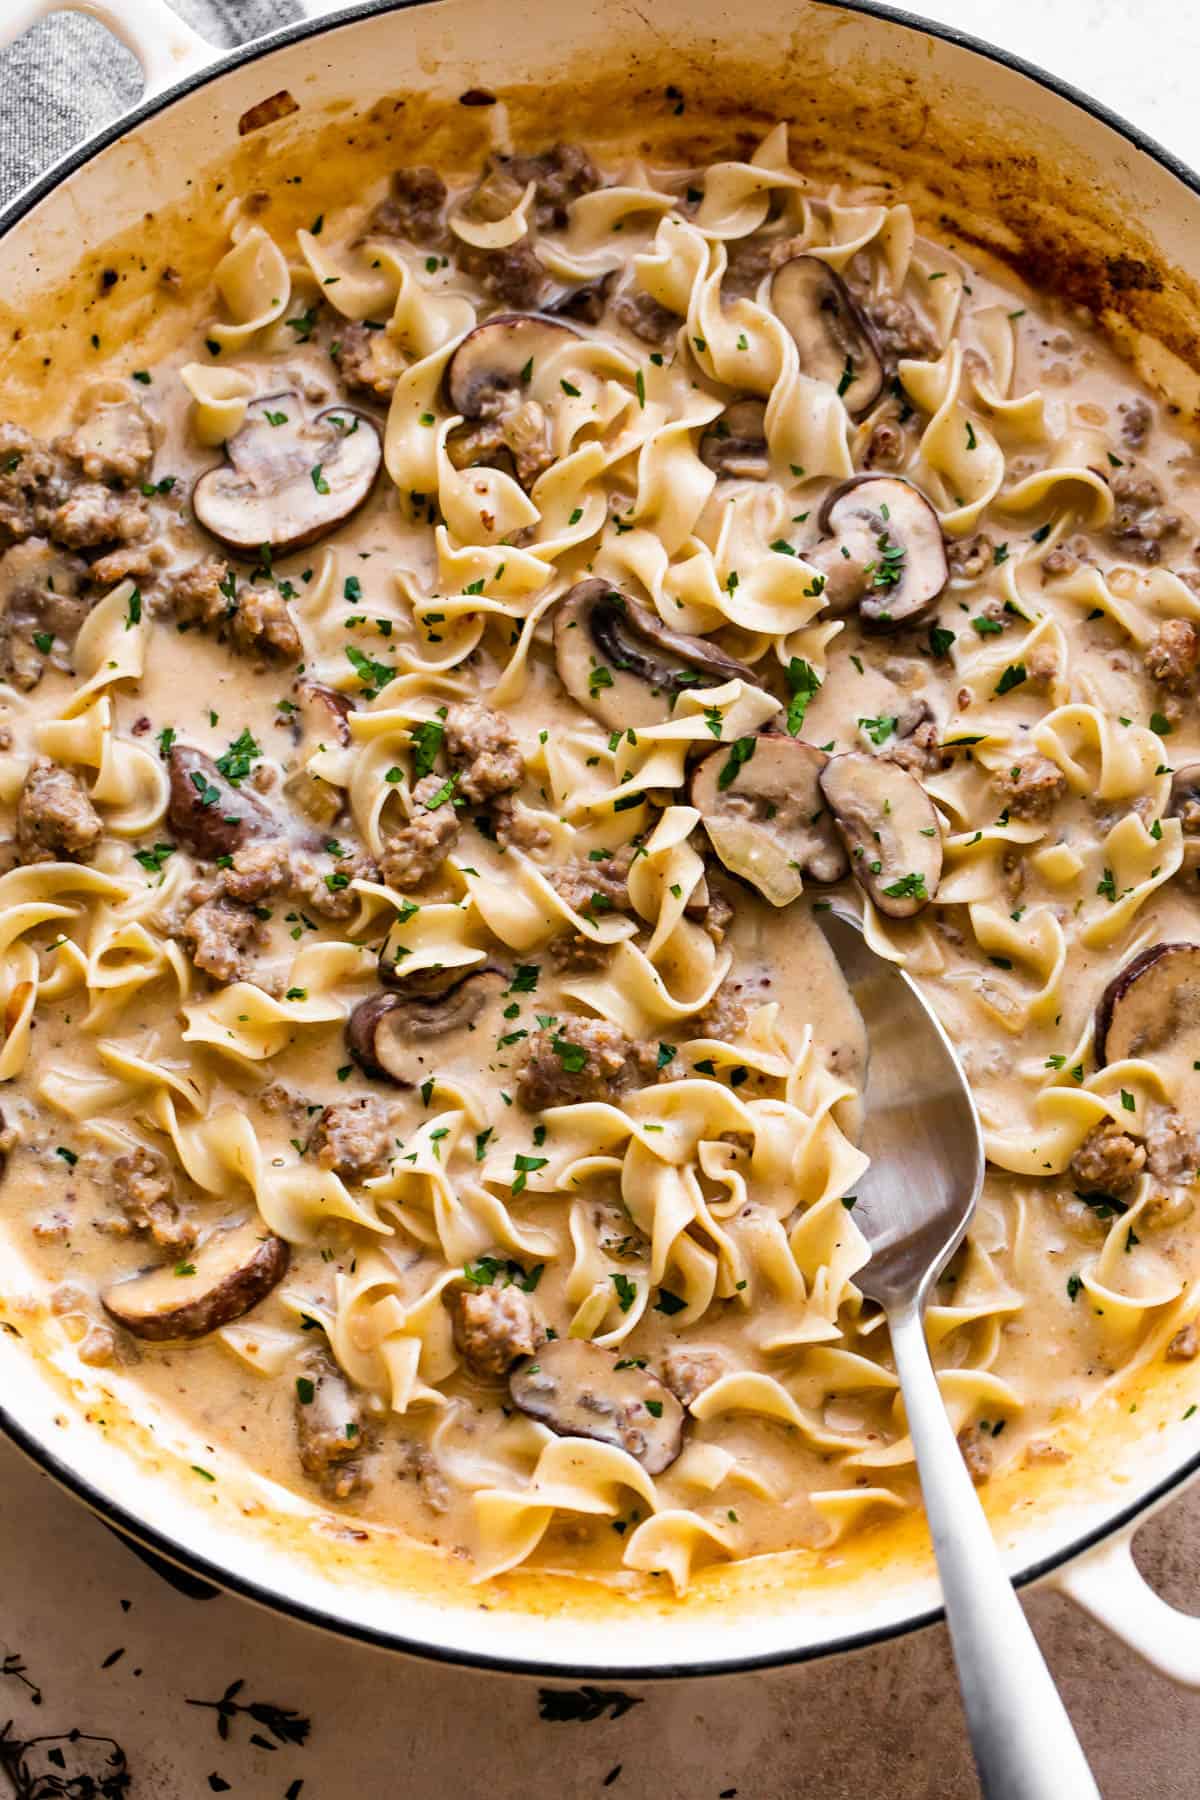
point(433, 706)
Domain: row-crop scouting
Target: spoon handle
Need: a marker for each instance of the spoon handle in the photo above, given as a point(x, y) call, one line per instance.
point(1024, 1743)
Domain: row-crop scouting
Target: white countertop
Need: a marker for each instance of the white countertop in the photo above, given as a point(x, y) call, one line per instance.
point(116, 1651)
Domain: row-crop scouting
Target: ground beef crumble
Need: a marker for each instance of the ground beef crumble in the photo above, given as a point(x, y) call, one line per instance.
point(416, 851)
point(414, 209)
point(144, 1190)
point(484, 750)
point(690, 1368)
point(354, 1138)
point(1031, 786)
point(55, 818)
point(493, 1328)
point(1173, 654)
point(1108, 1161)
point(581, 1059)
point(222, 937)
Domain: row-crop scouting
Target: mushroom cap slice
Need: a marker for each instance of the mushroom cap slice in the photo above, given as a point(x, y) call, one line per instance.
point(385, 1032)
point(578, 1391)
point(206, 812)
point(890, 827)
point(320, 721)
point(498, 358)
point(767, 817)
point(1151, 1006)
point(623, 665)
point(835, 342)
point(1184, 805)
point(884, 549)
point(736, 443)
point(287, 485)
point(230, 1273)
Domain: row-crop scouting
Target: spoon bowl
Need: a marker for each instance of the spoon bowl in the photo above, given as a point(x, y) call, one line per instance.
point(921, 1130)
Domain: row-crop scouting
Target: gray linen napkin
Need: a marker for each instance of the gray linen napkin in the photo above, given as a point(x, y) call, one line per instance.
point(68, 77)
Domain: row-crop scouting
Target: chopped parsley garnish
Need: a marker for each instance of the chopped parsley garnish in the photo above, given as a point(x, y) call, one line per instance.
point(209, 794)
point(525, 1166)
point(1013, 676)
point(373, 675)
point(878, 730)
point(909, 887)
point(443, 794)
point(235, 763)
point(804, 683)
point(626, 1291)
point(426, 742)
point(573, 1057)
point(740, 753)
point(153, 860)
point(304, 322)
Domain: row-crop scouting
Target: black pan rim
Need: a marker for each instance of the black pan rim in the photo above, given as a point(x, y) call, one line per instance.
point(129, 1524)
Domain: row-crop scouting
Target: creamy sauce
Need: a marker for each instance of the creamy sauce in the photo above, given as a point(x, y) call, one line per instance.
point(1055, 659)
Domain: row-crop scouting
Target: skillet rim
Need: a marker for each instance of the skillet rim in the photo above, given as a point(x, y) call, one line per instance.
point(127, 1524)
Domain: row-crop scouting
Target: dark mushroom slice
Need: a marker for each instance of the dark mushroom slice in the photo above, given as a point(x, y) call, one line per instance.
point(736, 443)
point(386, 1034)
point(883, 550)
point(1152, 1005)
point(835, 342)
point(890, 827)
point(766, 815)
point(206, 813)
point(579, 1390)
point(319, 721)
point(496, 360)
point(289, 478)
point(623, 665)
point(1184, 805)
point(221, 1281)
point(587, 301)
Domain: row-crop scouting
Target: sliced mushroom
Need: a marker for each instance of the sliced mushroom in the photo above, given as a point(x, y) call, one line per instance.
point(579, 1390)
point(1150, 1004)
point(289, 479)
point(883, 549)
point(835, 342)
point(385, 1032)
point(736, 443)
point(587, 301)
point(623, 665)
point(319, 722)
point(889, 826)
point(1184, 805)
point(766, 815)
point(207, 814)
point(498, 358)
point(221, 1281)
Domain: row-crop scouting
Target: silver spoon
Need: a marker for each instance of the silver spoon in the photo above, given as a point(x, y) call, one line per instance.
point(914, 1204)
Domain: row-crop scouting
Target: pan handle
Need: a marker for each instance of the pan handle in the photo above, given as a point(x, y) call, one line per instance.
point(1108, 1584)
point(167, 49)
